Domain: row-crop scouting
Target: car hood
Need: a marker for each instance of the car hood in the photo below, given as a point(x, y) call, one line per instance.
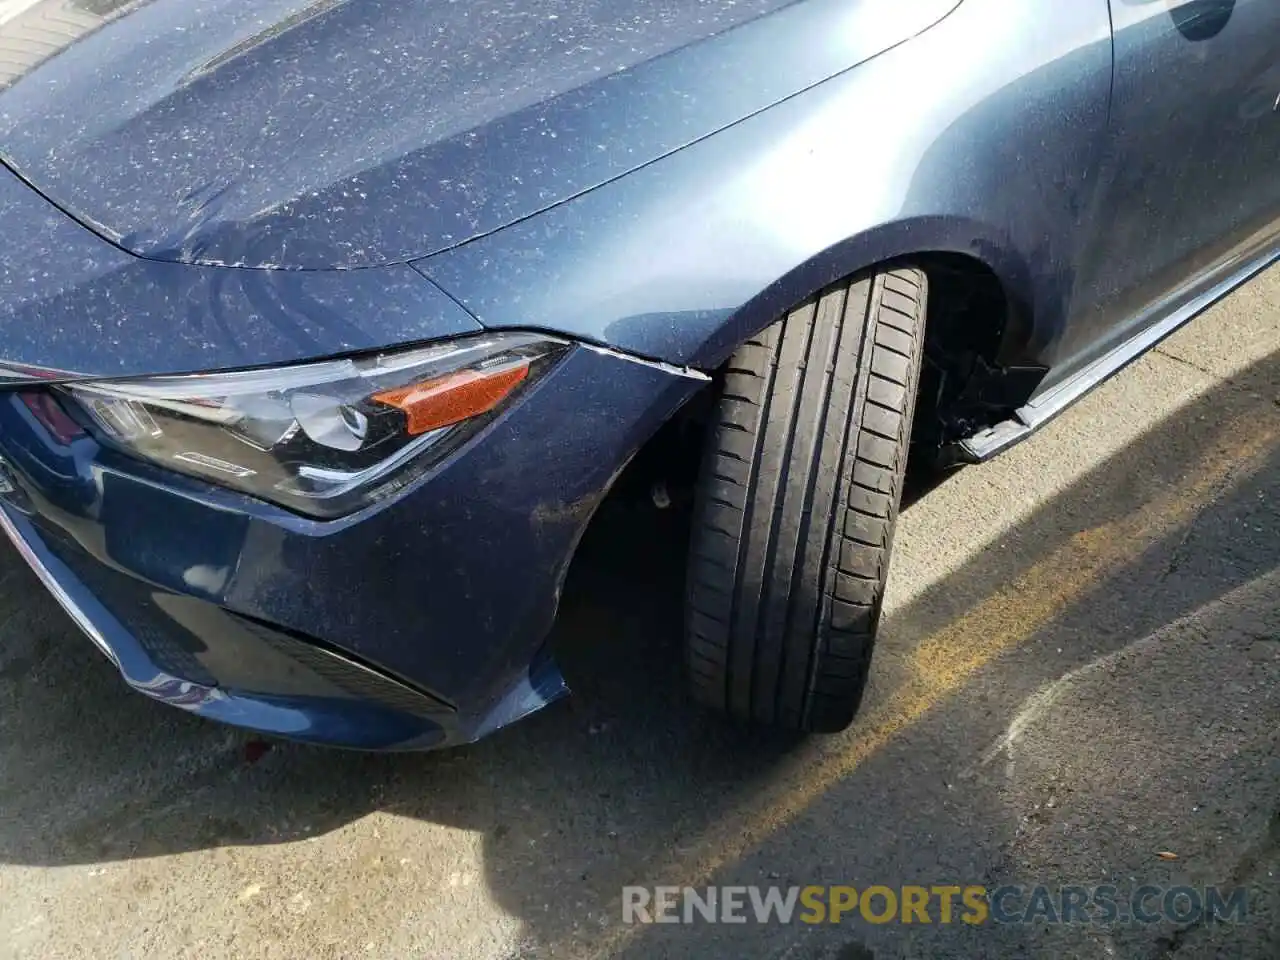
point(332, 134)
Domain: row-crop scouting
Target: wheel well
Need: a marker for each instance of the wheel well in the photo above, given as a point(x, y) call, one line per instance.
point(970, 380)
point(965, 384)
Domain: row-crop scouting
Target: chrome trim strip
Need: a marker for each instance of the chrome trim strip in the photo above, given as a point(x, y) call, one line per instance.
point(55, 588)
point(994, 440)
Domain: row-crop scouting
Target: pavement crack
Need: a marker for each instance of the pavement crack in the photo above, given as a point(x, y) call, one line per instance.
point(1171, 944)
point(1194, 366)
point(1178, 554)
point(1251, 863)
point(1231, 383)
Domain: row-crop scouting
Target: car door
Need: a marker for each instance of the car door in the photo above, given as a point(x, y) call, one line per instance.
point(1190, 190)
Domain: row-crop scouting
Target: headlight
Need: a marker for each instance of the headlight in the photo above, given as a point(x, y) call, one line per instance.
point(320, 438)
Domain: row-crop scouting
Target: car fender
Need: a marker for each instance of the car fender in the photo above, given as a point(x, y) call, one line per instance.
point(977, 137)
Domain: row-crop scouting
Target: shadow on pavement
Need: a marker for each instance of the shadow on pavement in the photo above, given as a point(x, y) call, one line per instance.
point(627, 783)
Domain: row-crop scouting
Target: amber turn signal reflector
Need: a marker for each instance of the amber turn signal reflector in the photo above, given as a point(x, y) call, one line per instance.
point(454, 397)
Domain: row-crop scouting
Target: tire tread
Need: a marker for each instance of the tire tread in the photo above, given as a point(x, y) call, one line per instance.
point(791, 543)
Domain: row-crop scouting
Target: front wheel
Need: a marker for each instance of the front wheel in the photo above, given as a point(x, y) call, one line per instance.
point(797, 502)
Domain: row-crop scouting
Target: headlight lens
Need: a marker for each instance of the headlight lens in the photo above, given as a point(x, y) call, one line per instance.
point(320, 438)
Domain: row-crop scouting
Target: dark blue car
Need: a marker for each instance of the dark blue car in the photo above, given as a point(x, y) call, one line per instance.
point(326, 326)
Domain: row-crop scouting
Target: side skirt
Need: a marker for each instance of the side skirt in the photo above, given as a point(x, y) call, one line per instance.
point(1026, 420)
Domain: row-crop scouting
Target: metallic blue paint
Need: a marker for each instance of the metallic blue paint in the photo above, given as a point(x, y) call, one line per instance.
point(686, 258)
point(303, 134)
point(451, 585)
point(71, 301)
point(318, 719)
point(992, 135)
point(233, 184)
point(1188, 183)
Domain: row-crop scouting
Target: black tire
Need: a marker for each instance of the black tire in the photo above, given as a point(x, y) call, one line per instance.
point(797, 502)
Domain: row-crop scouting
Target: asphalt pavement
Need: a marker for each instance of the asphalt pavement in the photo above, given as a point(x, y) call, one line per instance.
point(1076, 684)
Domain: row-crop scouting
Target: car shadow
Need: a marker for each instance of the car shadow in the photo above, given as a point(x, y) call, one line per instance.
point(627, 782)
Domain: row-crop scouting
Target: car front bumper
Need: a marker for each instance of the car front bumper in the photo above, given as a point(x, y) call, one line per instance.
point(418, 622)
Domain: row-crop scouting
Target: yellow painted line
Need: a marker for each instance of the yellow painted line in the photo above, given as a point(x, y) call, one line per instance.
point(945, 661)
